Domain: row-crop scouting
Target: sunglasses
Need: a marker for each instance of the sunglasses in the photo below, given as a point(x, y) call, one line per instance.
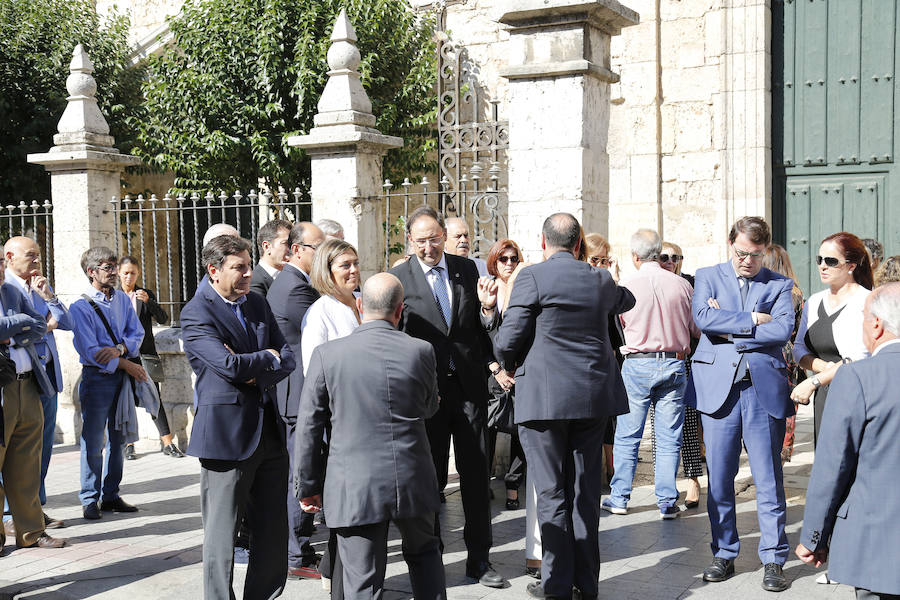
point(505, 259)
point(673, 257)
point(603, 261)
point(829, 261)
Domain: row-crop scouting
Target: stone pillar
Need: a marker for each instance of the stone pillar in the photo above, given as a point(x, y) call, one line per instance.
point(85, 172)
point(559, 77)
point(347, 152)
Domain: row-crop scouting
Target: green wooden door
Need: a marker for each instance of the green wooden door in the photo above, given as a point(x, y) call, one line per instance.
point(834, 123)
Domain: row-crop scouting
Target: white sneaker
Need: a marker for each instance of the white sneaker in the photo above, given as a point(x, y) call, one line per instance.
point(612, 508)
point(823, 579)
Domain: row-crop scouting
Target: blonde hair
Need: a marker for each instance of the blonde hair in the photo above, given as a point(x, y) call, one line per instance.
point(596, 243)
point(678, 251)
point(888, 271)
point(326, 254)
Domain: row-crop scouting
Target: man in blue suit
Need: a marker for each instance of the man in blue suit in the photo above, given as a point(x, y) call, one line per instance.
point(745, 315)
point(23, 270)
point(853, 498)
point(236, 350)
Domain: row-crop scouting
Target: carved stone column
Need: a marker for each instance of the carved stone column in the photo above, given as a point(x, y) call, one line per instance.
point(347, 151)
point(559, 77)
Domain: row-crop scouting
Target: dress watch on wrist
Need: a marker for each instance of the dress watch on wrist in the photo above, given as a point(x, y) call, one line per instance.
point(815, 381)
point(497, 370)
point(122, 349)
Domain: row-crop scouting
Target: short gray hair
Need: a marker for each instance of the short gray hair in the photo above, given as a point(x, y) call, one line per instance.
point(96, 256)
point(884, 303)
point(217, 230)
point(330, 226)
point(646, 244)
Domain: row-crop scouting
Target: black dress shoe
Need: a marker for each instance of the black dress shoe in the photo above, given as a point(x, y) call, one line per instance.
point(719, 570)
point(173, 451)
point(485, 574)
point(117, 505)
point(91, 511)
point(774, 579)
point(130, 454)
point(512, 504)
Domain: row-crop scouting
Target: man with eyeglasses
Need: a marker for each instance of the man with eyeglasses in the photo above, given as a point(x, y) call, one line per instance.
point(290, 297)
point(442, 303)
point(105, 363)
point(458, 239)
point(740, 387)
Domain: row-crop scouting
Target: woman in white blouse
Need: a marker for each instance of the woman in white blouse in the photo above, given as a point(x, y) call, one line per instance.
point(830, 332)
point(335, 274)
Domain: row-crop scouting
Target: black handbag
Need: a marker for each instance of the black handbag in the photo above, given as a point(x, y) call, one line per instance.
point(501, 411)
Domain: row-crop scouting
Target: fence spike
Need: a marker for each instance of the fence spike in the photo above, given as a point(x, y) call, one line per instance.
point(140, 199)
point(223, 197)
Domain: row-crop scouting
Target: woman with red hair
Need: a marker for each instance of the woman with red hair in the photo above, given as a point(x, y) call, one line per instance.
point(830, 331)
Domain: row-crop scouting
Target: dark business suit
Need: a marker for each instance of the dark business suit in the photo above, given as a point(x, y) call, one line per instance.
point(463, 387)
point(554, 336)
point(853, 497)
point(752, 410)
point(374, 388)
point(261, 281)
point(290, 296)
point(239, 438)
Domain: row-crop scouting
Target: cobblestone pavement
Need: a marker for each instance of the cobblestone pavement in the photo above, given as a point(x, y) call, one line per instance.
point(156, 553)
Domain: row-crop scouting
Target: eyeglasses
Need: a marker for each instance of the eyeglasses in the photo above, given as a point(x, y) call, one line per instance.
point(829, 261)
point(675, 258)
point(313, 248)
point(742, 254)
point(434, 241)
point(511, 259)
point(603, 261)
point(108, 268)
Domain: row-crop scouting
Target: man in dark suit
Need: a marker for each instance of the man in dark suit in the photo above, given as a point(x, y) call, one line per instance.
point(375, 388)
point(236, 350)
point(853, 498)
point(554, 336)
point(441, 306)
point(739, 386)
point(289, 297)
point(273, 253)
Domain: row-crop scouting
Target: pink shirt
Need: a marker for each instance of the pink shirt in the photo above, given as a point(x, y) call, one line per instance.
point(661, 319)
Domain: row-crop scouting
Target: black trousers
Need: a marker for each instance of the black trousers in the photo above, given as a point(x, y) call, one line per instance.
point(258, 486)
point(363, 551)
point(466, 421)
point(564, 458)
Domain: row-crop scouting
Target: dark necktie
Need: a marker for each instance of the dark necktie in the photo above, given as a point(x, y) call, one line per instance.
point(442, 300)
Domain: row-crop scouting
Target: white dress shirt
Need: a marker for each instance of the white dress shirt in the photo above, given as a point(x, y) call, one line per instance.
point(327, 319)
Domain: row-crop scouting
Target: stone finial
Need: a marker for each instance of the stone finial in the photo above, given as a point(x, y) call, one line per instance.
point(344, 101)
point(82, 115)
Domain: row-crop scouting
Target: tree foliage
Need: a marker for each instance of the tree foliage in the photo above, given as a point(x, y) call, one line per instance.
point(36, 42)
point(246, 73)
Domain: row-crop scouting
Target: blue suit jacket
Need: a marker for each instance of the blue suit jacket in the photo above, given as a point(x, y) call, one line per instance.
point(46, 348)
point(714, 363)
point(229, 419)
point(554, 334)
point(853, 494)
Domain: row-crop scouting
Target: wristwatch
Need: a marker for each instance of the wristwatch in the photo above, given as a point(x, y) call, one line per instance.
point(122, 349)
point(497, 370)
point(815, 381)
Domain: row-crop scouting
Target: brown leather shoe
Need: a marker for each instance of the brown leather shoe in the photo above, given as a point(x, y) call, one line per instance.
point(9, 528)
point(51, 523)
point(45, 541)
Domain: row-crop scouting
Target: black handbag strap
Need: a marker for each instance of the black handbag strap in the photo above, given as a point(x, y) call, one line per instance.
point(99, 312)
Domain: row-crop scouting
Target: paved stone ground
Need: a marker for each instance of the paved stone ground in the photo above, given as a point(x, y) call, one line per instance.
point(156, 553)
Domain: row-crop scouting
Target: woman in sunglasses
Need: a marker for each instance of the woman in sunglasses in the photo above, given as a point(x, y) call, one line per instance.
point(830, 332)
point(671, 259)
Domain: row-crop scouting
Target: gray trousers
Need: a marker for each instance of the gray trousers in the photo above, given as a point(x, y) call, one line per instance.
point(863, 594)
point(363, 551)
point(258, 485)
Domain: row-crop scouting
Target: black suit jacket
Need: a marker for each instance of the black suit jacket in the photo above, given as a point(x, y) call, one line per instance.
point(466, 341)
point(261, 281)
point(290, 296)
point(229, 419)
point(555, 335)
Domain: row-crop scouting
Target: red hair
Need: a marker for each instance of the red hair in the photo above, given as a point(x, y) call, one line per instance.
point(496, 250)
point(854, 251)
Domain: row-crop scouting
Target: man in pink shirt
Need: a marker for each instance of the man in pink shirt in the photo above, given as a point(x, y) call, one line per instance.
point(658, 333)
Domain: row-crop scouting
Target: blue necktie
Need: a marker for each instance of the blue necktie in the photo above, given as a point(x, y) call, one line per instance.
point(442, 300)
point(742, 364)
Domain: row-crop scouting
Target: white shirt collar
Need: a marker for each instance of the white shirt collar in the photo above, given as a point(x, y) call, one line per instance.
point(272, 271)
point(884, 345)
point(441, 263)
point(10, 276)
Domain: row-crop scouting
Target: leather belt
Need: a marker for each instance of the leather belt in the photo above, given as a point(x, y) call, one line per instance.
point(676, 355)
point(24, 376)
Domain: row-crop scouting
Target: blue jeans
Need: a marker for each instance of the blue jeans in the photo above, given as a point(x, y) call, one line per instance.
point(660, 381)
point(98, 393)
